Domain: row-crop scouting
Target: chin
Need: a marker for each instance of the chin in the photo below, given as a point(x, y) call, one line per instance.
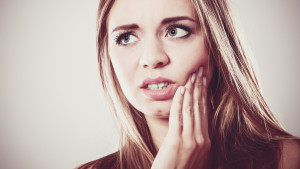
point(163, 115)
point(157, 109)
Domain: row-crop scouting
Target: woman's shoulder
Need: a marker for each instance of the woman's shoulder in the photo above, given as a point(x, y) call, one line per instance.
point(108, 162)
point(290, 154)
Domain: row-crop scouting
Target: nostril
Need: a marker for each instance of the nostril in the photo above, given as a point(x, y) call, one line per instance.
point(160, 64)
point(154, 62)
point(156, 65)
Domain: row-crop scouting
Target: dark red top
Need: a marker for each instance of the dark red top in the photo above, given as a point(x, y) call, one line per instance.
point(107, 162)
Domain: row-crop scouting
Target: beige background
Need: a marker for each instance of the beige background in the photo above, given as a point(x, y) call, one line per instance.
point(52, 113)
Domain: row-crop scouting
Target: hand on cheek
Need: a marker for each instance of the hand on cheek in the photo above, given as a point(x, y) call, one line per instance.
point(187, 142)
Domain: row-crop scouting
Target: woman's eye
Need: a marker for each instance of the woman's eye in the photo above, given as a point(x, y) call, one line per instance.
point(126, 39)
point(176, 32)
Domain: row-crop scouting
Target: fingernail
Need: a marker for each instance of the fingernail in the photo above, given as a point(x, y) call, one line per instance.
point(182, 90)
point(200, 71)
point(193, 78)
point(204, 81)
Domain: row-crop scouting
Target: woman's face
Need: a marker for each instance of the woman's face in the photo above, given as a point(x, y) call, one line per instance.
point(154, 47)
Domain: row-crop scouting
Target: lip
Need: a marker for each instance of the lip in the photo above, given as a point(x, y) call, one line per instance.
point(163, 94)
point(154, 81)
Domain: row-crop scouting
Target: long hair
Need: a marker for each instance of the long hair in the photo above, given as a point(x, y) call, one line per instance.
point(243, 130)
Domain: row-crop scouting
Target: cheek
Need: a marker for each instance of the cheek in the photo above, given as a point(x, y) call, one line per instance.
point(188, 58)
point(125, 66)
point(185, 58)
point(122, 62)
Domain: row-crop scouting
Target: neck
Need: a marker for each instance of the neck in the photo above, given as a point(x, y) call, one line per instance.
point(158, 128)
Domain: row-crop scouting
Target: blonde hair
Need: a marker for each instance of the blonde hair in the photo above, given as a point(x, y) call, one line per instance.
point(242, 127)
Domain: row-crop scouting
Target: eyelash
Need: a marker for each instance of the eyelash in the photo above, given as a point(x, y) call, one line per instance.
point(120, 36)
point(172, 26)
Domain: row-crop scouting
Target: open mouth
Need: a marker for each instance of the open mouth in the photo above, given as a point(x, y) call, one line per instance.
point(158, 86)
point(158, 89)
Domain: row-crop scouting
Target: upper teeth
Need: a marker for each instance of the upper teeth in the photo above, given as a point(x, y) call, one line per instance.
point(158, 86)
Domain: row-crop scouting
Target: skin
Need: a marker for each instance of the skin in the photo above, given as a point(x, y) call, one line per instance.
point(187, 142)
point(178, 125)
point(151, 54)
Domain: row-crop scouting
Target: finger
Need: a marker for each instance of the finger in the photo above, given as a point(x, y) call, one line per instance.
point(204, 109)
point(197, 101)
point(187, 111)
point(176, 111)
point(201, 129)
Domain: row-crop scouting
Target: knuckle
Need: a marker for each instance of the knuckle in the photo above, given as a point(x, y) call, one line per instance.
point(188, 108)
point(199, 104)
point(196, 109)
point(200, 140)
point(204, 144)
point(190, 145)
point(198, 85)
point(196, 96)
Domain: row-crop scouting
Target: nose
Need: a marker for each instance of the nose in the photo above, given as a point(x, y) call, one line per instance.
point(153, 55)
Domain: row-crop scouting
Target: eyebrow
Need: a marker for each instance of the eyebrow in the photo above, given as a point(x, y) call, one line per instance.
point(163, 22)
point(176, 18)
point(126, 27)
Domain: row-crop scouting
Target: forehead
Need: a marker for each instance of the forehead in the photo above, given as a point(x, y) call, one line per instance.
point(147, 12)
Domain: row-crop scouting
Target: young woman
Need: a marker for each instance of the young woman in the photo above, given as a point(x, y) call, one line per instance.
point(183, 91)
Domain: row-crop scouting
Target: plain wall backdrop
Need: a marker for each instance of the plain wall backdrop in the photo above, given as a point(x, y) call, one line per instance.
point(52, 113)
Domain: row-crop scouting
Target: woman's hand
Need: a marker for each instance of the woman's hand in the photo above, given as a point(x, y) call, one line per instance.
point(187, 142)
